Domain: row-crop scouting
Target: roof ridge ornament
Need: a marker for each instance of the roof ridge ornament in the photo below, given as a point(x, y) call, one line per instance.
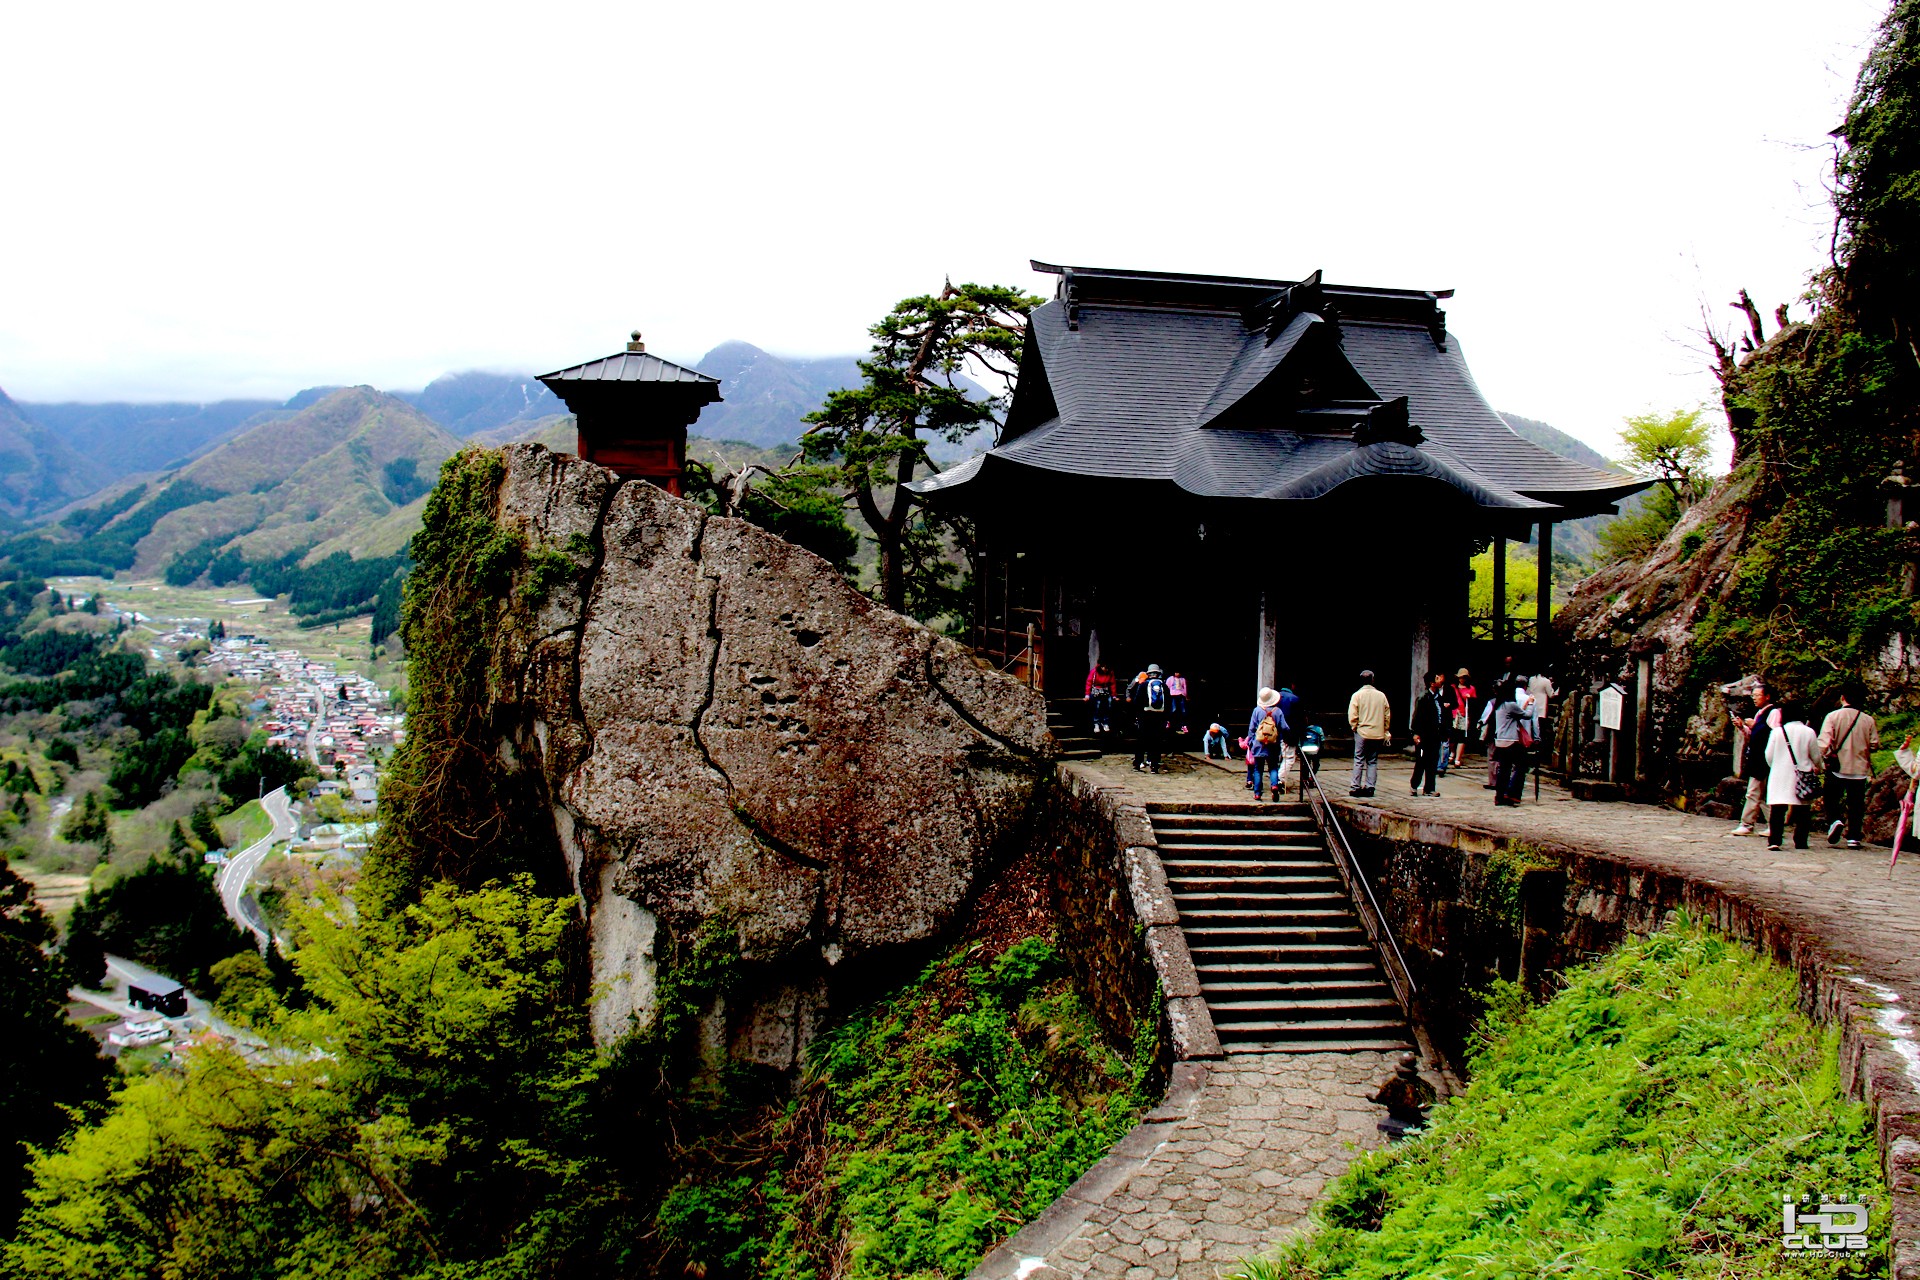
point(1277, 309)
point(1388, 423)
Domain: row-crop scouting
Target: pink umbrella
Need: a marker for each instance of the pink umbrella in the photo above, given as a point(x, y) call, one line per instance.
point(1906, 813)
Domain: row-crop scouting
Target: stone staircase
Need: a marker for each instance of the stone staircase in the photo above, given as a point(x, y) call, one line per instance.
point(1284, 963)
point(1067, 722)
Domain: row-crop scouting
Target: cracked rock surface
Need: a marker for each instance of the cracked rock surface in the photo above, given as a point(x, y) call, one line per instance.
point(726, 729)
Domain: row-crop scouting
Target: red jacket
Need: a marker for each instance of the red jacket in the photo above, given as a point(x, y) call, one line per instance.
point(1099, 682)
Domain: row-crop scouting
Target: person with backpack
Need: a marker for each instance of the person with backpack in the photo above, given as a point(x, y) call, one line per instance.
point(1793, 777)
point(1432, 716)
point(1265, 732)
point(1848, 739)
point(1512, 733)
point(1757, 731)
point(1177, 695)
point(1150, 702)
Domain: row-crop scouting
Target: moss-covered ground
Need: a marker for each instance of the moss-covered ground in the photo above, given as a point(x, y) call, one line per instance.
point(1645, 1122)
point(931, 1124)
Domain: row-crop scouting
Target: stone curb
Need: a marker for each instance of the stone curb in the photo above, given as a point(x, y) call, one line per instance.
point(1024, 1254)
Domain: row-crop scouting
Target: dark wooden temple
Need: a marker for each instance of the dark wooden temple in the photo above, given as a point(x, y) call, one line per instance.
point(633, 411)
point(1251, 481)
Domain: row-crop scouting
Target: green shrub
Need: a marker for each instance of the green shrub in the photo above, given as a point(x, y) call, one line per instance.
point(1645, 1122)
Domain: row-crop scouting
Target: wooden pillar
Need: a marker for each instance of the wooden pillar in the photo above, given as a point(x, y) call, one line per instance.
point(1266, 664)
point(1500, 596)
point(1421, 655)
point(1543, 597)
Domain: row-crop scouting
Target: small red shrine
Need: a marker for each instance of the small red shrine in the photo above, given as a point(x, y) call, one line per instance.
point(633, 411)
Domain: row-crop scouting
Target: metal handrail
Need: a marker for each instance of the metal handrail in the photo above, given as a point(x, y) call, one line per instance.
point(1372, 918)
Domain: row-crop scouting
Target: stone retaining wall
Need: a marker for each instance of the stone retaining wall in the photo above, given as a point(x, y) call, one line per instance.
point(1469, 904)
point(1118, 925)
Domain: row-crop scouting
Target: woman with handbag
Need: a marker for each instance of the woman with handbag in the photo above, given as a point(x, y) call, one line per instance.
point(1512, 732)
point(1793, 776)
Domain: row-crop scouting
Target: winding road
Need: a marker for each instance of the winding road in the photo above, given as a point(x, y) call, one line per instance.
point(237, 875)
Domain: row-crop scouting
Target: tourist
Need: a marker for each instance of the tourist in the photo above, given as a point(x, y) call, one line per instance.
point(1758, 730)
point(1265, 731)
point(1792, 752)
point(1464, 695)
point(1148, 697)
point(1369, 717)
point(1215, 741)
point(1100, 691)
point(1514, 688)
point(1511, 733)
point(1449, 699)
point(1432, 714)
point(1848, 739)
point(1177, 696)
point(1293, 728)
point(1541, 688)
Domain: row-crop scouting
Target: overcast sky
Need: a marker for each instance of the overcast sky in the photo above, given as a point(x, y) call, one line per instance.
point(205, 201)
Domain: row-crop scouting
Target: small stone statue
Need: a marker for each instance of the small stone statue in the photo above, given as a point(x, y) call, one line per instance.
point(1406, 1097)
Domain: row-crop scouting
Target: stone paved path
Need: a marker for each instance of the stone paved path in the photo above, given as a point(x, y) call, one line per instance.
point(1267, 1132)
point(1266, 1135)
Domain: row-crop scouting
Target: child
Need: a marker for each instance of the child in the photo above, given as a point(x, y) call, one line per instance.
point(1177, 695)
point(1215, 743)
point(1100, 690)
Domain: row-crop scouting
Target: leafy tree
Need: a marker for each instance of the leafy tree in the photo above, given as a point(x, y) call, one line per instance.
point(86, 822)
point(869, 441)
point(1879, 211)
point(46, 1062)
point(258, 768)
point(145, 768)
point(1672, 448)
point(167, 915)
point(205, 830)
point(1639, 529)
point(63, 751)
point(437, 1118)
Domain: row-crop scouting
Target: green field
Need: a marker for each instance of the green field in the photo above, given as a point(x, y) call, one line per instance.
point(344, 643)
point(245, 825)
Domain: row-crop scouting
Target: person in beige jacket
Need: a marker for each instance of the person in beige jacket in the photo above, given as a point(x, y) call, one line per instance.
point(1848, 739)
point(1369, 718)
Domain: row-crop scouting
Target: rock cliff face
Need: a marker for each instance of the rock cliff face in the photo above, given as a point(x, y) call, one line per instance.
point(726, 731)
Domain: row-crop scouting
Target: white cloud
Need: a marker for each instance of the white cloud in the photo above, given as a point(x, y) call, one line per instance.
point(226, 200)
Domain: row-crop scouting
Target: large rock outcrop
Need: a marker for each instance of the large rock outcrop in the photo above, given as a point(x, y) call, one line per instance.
point(726, 731)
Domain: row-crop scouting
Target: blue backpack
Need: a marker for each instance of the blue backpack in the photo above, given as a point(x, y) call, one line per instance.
point(1156, 694)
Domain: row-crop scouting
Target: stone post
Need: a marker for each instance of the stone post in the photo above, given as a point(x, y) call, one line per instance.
point(1644, 651)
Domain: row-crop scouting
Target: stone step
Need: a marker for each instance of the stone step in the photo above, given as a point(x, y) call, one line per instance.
point(1251, 839)
point(1264, 816)
point(1255, 882)
point(1205, 928)
point(1381, 1045)
point(1284, 1029)
point(1278, 974)
point(1235, 897)
point(1240, 951)
point(1236, 1013)
point(1250, 908)
point(1174, 813)
point(1241, 853)
point(1367, 986)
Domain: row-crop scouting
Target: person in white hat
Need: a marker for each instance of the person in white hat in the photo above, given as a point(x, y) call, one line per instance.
point(1266, 733)
point(1150, 706)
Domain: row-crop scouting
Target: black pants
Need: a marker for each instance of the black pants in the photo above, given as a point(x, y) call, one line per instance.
point(1847, 800)
point(1148, 730)
point(1511, 761)
point(1777, 823)
point(1426, 763)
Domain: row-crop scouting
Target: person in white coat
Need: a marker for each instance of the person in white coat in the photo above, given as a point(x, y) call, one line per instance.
point(1793, 750)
